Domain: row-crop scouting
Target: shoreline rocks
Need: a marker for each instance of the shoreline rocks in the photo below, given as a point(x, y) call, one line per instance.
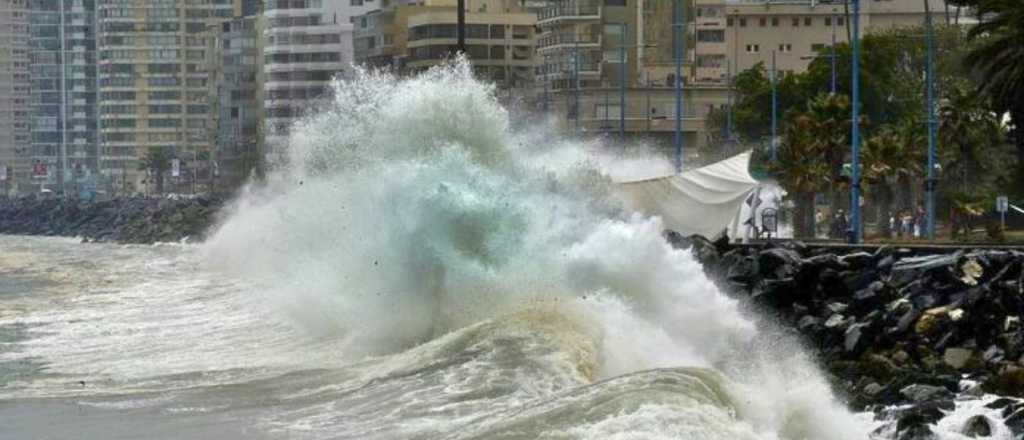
point(892, 326)
point(138, 220)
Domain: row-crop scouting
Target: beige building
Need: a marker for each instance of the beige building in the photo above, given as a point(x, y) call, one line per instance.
point(153, 88)
point(413, 36)
point(738, 34)
point(15, 133)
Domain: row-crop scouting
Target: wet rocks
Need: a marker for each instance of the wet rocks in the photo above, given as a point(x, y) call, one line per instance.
point(122, 220)
point(977, 426)
point(886, 319)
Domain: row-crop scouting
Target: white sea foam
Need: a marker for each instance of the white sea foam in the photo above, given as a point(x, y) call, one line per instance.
point(408, 209)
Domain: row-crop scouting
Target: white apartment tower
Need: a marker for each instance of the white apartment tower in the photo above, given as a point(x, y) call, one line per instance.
point(306, 43)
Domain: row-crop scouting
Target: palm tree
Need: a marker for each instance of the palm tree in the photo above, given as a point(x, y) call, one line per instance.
point(830, 125)
point(801, 169)
point(998, 60)
point(890, 159)
point(157, 160)
point(970, 138)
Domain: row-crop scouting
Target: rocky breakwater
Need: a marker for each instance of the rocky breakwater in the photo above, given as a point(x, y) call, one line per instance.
point(908, 333)
point(122, 220)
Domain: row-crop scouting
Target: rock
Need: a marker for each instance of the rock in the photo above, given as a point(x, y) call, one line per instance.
point(932, 321)
point(1016, 423)
point(856, 338)
point(957, 357)
point(778, 263)
point(924, 393)
point(1008, 382)
point(1001, 402)
point(977, 426)
point(993, 354)
point(835, 321)
point(808, 323)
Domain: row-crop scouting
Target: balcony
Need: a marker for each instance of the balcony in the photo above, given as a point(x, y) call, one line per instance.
point(568, 39)
point(580, 10)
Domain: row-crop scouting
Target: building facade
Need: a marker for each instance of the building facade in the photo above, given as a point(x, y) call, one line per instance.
point(306, 43)
point(15, 131)
point(600, 58)
point(63, 94)
point(153, 89)
point(409, 37)
point(737, 35)
point(235, 99)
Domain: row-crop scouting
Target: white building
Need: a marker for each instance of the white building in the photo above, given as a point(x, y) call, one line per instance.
point(306, 43)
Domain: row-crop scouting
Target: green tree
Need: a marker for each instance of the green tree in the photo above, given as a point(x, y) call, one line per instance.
point(801, 169)
point(157, 160)
point(892, 158)
point(972, 146)
point(998, 61)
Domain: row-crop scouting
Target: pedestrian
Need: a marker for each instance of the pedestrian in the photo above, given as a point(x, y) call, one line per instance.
point(819, 223)
point(892, 225)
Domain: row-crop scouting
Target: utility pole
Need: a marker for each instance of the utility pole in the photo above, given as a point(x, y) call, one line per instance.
point(63, 105)
point(546, 79)
point(461, 25)
point(622, 85)
point(930, 102)
point(834, 54)
point(775, 111)
point(855, 123)
point(679, 37)
point(576, 80)
point(728, 116)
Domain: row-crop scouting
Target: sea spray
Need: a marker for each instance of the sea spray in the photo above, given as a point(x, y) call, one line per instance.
point(407, 209)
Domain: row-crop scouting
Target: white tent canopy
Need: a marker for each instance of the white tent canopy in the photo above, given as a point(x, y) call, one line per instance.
point(703, 201)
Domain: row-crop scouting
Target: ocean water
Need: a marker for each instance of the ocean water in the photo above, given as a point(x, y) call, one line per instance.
point(416, 270)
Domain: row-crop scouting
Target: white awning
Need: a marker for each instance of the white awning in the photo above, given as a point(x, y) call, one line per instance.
point(703, 201)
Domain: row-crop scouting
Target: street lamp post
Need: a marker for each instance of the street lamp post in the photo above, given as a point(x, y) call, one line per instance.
point(622, 85)
point(728, 116)
point(855, 236)
point(679, 37)
point(775, 110)
point(833, 55)
point(930, 78)
point(576, 85)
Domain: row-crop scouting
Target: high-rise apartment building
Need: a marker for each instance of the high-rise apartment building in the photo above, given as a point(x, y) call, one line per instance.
point(413, 36)
point(306, 43)
point(63, 94)
point(15, 134)
point(235, 99)
point(153, 87)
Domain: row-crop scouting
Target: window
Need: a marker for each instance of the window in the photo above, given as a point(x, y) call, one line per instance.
point(356, 2)
point(785, 48)
point(711, 35)
point(615, 2)
point(728, 22)
point(807, 21)
point(828, 21)
point(841, 21)
point(743, 22)
point(753, 48)
point(796, 21)
point(775, 21)
point(817, 47)
point(762, 22)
